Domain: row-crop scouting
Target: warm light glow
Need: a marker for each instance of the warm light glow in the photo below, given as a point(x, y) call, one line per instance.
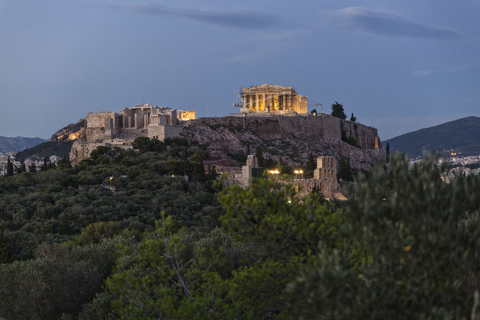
point(173, 175)
point(111, 178)
point(71, 136)
point(274, 171)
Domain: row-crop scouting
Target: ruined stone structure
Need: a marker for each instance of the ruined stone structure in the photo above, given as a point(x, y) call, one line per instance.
point(247, 175)
point(271, 99)
point(120, 129)
point(186, 115)
point(324, 178)
point(159, 123)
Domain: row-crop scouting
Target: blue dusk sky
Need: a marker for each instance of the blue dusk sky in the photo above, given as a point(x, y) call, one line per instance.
point(398, 66)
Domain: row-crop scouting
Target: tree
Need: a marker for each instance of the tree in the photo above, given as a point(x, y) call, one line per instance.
point(387, 152)
point(353, 118)
point(261, 161)
point(345, 170)
point(240, 271)
point(5, 249)
point(9, 168)
point(44, 167)
point(32, 167)
point(413, 250)
point(337, 111)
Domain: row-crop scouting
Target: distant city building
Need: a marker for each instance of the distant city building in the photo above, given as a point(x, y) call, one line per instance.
point(267, 98)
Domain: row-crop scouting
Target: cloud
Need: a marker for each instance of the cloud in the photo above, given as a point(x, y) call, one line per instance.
point(384, 24)
point(267, 45)
point(427, 72)
point(238, 18)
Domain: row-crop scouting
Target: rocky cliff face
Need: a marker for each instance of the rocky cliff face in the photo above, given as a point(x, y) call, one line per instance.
point(70, 132)
point(289, 139)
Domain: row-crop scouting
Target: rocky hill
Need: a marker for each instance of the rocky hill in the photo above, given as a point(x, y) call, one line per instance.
point(287, 139)
point(18, 143)
point(70, 132)
point(460, 136)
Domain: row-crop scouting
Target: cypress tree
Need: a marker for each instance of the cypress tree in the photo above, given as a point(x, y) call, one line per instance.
point(9, 168)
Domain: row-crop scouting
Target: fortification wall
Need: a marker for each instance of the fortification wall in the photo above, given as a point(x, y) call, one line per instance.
point(160, 132)
point(301, 126)
point(100, 126)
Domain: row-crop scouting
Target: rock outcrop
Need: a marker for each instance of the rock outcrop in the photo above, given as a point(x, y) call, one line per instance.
point(289, 139)
point(70, 132)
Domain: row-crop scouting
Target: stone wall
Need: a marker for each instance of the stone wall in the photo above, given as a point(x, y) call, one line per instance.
point(81, 150)
point(160, 132)
point(301, 126)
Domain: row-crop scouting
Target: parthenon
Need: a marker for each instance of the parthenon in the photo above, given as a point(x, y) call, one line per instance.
point(271, 98)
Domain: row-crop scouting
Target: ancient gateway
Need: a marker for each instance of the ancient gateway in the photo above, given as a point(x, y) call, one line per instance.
point(159, 122)
point(268, 98)
point(120, 129)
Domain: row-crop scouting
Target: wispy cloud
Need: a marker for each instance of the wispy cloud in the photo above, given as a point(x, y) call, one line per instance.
point(267, 44)
point(237, 18)
point(385, 24)
point(429, 71)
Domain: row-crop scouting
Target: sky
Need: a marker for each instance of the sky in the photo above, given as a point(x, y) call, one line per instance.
point(398, 66)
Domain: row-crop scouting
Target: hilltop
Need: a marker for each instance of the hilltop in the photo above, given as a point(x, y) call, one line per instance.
point(460, 136)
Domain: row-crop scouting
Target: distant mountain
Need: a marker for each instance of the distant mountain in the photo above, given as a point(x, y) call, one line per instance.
point(18, 143)
point(460, 136)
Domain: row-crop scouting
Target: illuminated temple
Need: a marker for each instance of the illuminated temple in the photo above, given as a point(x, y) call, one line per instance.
point(268, 98)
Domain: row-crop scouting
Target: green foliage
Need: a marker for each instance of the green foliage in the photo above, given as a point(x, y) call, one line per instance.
point(5, 249)
point(337, 111)
point(95, 232)
point(242, 274)
point(55, 205)
point(32, 167)
point(310, 166)
point(268, 213)
point(9, 168)
point(145, 144)
point(387, 152)
point(344, 169)
point(240, 156)
point(59, 281)
point(171, 280)
point(413, 250)
point(353, 118)
point(260, 159)
point(46, 149)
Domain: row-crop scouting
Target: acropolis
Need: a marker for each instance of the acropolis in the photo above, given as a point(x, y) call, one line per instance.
point(120, 129)
point(268, 98)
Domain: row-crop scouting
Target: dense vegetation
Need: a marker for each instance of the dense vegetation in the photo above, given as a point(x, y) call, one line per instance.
point(161, 247)
point(46, 149)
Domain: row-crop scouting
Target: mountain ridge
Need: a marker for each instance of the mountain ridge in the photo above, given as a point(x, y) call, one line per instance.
point(459, 136)
point(15, 144)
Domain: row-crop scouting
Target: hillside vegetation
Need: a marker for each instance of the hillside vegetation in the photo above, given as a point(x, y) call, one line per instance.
point(125, 236)
point(46, 149)
point(461, 135)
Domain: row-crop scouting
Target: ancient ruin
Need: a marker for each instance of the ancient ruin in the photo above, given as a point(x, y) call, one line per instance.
point(324, 178)
point(268, 98)
point(120, 129)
